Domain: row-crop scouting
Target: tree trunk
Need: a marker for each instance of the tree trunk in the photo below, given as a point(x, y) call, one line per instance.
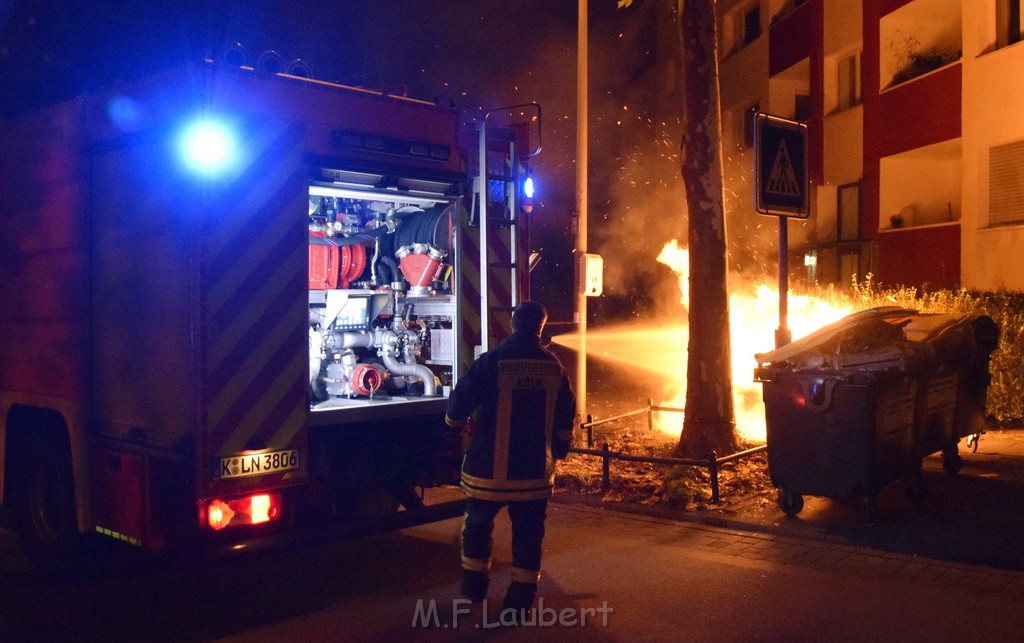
point(709, 422)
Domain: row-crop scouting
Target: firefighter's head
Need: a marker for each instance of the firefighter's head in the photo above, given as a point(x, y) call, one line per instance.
point(529, 317)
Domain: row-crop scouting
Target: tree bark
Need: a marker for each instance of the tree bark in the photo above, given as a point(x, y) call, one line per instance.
point(709, 423)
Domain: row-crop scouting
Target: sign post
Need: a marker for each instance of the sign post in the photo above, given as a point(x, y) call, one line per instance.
point(781, 189)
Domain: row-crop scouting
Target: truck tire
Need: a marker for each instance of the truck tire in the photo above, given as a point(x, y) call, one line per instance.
point(45, 503)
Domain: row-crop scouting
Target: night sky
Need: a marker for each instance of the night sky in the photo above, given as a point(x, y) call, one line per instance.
point(478, 54)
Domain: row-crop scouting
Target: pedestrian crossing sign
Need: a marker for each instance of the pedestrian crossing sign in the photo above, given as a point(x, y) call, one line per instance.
point(780, 167)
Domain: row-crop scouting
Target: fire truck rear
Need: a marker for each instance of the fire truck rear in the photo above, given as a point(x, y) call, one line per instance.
point(235, 303)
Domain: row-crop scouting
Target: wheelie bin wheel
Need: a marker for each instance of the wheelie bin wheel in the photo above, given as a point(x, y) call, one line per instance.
point(790, 503)
point(951, 461)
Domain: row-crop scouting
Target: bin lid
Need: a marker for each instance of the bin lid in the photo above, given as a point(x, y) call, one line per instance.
point(927, 328)
point(870, 339)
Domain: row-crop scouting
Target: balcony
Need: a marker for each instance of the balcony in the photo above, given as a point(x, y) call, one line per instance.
point(921, 187)
point(918, 38)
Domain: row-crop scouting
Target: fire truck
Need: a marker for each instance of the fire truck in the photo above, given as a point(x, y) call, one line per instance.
point(234, 304)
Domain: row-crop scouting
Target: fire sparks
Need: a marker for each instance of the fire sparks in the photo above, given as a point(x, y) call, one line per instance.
point(753, 318)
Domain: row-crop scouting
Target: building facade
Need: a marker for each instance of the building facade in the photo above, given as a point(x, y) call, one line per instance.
point(915, 114)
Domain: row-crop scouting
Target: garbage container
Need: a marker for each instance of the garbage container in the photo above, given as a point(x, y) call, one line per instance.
point(953, 389)
point(859, 403)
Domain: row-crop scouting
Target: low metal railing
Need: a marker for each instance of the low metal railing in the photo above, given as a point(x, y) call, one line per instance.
point(713, 463)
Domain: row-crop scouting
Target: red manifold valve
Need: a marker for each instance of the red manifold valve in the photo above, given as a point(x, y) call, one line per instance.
point(248, 510)
point(367, 379)
point(420, 263)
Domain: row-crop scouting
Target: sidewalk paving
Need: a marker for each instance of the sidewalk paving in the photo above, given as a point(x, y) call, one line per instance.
point(975, 517)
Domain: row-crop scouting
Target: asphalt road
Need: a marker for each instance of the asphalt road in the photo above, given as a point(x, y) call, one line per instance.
point(631, 577)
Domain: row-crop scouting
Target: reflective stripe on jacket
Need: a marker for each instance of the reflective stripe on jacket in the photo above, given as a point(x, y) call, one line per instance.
point(525, 414)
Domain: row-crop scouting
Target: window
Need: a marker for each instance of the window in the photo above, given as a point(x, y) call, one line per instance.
point(751, 24)
point(740, 27)
point(848, 82)
point(848, 212)
point(1006, 183)
point(746, 117)
point(1008, 25)
point(802, 108)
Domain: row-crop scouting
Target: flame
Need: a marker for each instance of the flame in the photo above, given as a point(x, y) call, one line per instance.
point(753, 318)
point(677, 258)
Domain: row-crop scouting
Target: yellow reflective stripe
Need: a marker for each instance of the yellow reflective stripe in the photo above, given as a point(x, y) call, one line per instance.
point(476, 564)
point(530, 576)
point(119, 536)
point(508, 484)
point(552, 384)
point(507, 496)
point(455, 424)
point(502, 431)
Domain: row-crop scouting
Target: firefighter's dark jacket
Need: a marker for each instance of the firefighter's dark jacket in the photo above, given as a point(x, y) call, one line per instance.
point(525, 415)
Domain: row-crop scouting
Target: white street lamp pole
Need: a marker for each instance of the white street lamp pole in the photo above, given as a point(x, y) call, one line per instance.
point(581, 204)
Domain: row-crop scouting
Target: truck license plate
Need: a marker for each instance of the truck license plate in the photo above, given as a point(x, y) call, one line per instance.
point(257, 464)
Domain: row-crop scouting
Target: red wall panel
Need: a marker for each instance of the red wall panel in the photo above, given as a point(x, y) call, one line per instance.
point(919, 112)
point(789, 42)
point(922, 257)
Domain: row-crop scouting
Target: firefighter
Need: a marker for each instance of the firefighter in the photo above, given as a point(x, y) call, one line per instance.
point(525, 412)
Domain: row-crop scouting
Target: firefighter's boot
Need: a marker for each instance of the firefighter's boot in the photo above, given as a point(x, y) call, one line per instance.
point(520, 596)
point(474, 585)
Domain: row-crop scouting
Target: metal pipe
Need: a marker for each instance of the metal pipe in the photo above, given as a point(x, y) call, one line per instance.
point(713, 471)
point(415, 370)
point(606, 468)
point(390, 340)
point(513, 223)
point(742, 454)
point(625, 457)
point(456, 240)
point(782, 335)
point(373, 262)
point(482, 192)
point(351, 339)
point(615, 417)
point(582, 94)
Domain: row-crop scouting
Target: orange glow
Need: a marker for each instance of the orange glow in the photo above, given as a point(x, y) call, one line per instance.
point(753, 318)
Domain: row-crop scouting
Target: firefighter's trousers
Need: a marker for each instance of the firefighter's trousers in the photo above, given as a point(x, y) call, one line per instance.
point(527, 534)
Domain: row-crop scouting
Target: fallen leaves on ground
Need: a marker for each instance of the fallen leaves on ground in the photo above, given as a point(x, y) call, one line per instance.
point(674, 486)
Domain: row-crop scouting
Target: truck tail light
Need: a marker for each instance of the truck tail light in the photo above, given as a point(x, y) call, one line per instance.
point(247, 510)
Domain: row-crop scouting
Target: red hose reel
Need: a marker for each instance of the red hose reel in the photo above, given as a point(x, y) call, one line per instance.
point(332, 266)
